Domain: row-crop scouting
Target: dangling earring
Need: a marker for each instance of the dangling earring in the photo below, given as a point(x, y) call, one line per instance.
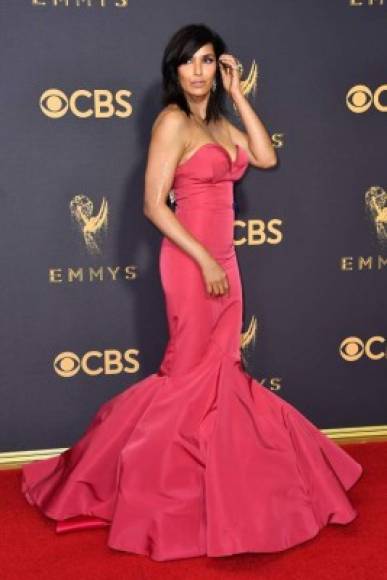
point(213, 85)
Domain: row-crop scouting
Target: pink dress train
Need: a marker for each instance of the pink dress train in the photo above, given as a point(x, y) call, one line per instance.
point(198, 458)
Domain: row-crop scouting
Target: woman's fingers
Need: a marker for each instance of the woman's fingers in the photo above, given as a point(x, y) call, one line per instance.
point(219, 288)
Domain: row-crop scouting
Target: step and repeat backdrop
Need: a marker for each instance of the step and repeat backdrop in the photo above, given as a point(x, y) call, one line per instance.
point(82, 307)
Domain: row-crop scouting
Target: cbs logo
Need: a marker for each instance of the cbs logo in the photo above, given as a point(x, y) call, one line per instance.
point(257, 232)
point(99, 103)
point(94, 362)
point(360, 98)
point(353, 348)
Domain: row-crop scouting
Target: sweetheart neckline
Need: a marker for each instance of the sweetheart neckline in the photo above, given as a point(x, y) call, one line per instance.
point(210, 143)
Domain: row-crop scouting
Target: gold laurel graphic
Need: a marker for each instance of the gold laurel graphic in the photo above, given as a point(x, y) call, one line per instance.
point(251, 82)
point(249, 335)
point(247, 338)
point(375, 199)
point(91, 226)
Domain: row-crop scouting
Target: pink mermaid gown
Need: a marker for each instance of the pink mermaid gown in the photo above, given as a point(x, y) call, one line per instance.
point(198, 458)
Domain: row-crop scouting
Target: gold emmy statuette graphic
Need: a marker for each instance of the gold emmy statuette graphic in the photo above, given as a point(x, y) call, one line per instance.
point(248, 337)
point(375, 199)
point(250, 83)
point(81, 209)
point(250, 334)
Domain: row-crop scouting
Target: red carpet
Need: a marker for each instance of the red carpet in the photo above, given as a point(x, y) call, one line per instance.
point(30, 548)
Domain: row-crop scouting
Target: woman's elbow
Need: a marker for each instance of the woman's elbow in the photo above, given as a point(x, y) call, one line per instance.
point(152, 209)
point(270, 162)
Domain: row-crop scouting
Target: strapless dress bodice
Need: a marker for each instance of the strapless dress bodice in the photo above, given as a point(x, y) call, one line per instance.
point(206, 178)
point(204, 197)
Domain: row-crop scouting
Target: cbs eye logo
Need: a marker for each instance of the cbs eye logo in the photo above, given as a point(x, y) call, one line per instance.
point(99, 103)
point(360, 98)
point(353, 348)
point(93, 363)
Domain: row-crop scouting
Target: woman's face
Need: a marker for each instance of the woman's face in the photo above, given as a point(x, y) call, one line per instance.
point(197, 73)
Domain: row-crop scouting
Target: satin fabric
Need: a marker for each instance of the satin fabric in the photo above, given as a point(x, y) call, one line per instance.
point(198, 458)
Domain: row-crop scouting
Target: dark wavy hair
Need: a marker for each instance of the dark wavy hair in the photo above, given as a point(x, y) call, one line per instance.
point(181, 46)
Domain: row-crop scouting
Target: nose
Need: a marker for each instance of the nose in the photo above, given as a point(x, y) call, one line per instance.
point(197, 67)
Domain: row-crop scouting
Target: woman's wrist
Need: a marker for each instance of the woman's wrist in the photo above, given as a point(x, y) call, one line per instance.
point(203, 257)
point(237, 96)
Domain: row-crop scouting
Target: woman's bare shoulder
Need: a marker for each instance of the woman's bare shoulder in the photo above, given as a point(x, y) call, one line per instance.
point(171, 118)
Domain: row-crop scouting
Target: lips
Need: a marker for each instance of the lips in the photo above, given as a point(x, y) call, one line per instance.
point(197, 83)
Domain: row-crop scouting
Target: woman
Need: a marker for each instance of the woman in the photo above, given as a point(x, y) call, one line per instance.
point(198, 458)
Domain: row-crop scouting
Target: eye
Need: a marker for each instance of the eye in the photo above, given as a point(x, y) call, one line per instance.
point(206, 59)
